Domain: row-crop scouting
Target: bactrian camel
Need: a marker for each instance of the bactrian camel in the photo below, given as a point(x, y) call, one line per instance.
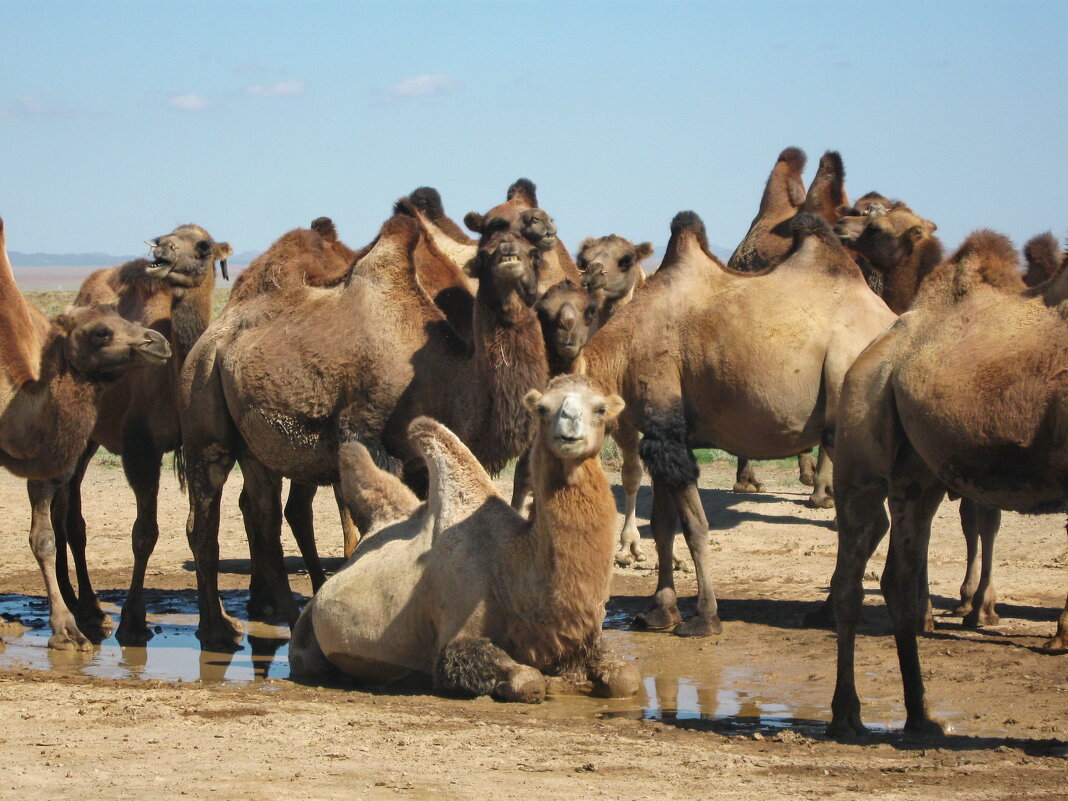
point(52, 374)
point(464, 589)
point(748, 381)
point(968, 392)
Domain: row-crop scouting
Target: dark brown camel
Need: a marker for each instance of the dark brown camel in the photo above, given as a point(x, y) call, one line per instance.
point(748, 382)
point(293, 374)
point(53, 375)
point(966, 392)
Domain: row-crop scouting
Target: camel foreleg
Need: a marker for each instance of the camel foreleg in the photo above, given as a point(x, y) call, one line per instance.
point(474, 666)
point(611, 676)
point(630, 539)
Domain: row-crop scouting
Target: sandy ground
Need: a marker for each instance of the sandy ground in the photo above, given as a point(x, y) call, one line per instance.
point(739, 716)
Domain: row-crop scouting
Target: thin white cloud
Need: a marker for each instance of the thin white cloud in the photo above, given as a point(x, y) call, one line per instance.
point(35, 105)
point(424, 86)
point(190, 101)
point(280, 89)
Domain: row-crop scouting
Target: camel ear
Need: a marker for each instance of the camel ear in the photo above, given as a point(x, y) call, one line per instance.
point(586, 243)
point(915, 233)
point(64, 322)
point(644, 250)
point(930, 226)
point(475, 222)
point(221, 251)
point(469, 269)
point(613, 405)
point(530, 400)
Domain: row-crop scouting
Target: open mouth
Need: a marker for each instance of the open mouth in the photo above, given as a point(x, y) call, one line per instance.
point(513, 267)
point(159, 268)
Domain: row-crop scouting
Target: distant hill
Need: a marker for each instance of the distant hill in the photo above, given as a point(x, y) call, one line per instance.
point(98, 259)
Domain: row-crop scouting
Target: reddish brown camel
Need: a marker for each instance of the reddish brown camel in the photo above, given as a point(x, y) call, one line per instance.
point(748, 382)
point(292, 374)
point(966, 392)
point(138, 416)
point(52, 375)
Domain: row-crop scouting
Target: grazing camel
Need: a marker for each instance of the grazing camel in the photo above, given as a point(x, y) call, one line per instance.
point(284, 379)
point(966, 392)
point(52, 375)
point(770, 238)
point(464, 589)
point(138, 415)
point(748, 381)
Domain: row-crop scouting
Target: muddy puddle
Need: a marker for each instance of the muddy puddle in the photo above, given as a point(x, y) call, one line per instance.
point(723, 686)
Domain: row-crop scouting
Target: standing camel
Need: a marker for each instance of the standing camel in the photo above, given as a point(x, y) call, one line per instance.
point(465, 590)
point(751, 381)
point(286, 378)
point(138, 416)
point(968, 392)
point(52, 375)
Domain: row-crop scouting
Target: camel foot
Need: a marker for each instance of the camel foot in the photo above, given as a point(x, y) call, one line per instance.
point(621, 681)
point(68, 638)
point(807, 477)
point(659, 618)
point(817, 501)
point(524, 685)
point(698, 626)
point(1058, 644)
point(224, 637)
point(976, 618)
point(89, 613)
point(821, 617)
point(924, 727)
point(747, 487)
point(133, 632)
point(846, 727)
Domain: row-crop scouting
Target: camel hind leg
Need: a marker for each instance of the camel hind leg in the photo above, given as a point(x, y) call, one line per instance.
point(980, 524)
point(474, 666)
point(630, 539)
point(270, 597)
point(299, 514)
point(745, 479)
point(69, 526)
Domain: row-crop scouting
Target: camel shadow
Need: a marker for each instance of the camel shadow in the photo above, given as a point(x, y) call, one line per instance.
point(719, 506)
point(294, 566)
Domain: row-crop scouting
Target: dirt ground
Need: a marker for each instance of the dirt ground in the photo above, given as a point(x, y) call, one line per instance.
point(735, 717)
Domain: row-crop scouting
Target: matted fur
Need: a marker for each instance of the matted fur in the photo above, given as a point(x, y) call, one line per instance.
point(1044, 259)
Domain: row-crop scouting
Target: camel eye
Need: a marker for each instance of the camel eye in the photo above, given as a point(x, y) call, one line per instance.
point(602, 410)
point(581, 264)
point(591, 311)
point(543, 411)
point(626, 262)
point(100, 336)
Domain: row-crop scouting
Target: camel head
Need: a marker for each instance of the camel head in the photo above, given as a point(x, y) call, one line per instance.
point(852, 219)
point(506, 260)
point(184, 257)
point(568, 315)
point(571, 416)
point(100, 345)
point(887, 240)
point(618, 259)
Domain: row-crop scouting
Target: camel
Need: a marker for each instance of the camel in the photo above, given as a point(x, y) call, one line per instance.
point(768, 242)
point(52, 375)
point(966, 392)
point(138, 416)
point(620, 261)
point(283, 380)
point(747, 382)
point(464, 589)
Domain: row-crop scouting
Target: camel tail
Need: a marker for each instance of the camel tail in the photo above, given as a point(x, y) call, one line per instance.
point(179, 466)
point(458, 483)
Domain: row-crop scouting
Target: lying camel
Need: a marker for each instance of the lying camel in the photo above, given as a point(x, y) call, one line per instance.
point(463, 588)
point(748, 382)
point(52, 374)
point(282, 381)
point(967, 391)
point(138, 416)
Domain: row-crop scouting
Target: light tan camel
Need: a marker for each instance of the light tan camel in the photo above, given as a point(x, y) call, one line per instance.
point(768, 242)
point(138, 415)
point(748, 381)
point(289, 376)
point(51, 376)
point(465, 590)
point(967, 391)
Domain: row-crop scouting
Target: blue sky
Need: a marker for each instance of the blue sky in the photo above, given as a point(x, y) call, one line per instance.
point(120, 120)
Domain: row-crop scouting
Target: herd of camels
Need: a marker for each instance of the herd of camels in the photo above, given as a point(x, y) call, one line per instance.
point(406, 373)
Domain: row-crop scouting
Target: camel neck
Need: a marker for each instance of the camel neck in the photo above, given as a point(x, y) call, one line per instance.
point(190, 315)
point(21, 331)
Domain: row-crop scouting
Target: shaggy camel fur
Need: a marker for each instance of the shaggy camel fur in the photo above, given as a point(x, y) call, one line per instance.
point(967, 391)
point(138, 415)
point(286, 378)
point(463, 588)
point(749, 382)
point(769, 239)
point(1044, 259)
point(52, 376)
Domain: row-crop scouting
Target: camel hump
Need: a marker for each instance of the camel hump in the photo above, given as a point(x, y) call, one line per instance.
point(984, 257)
point(324, 227)
point(1042, 254)
point(524, 189)
point(784, 189)
point(427, 199)
point(827, 192)
point(458, 483)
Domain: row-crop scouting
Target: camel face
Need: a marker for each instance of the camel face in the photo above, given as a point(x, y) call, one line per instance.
point(507, 260)
point(572, 416)
point(568, 316)
point(538, 228)
point(853, 219)
point(184, 257)
point(101, 344)
point(618, 259)
point(888, 239)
